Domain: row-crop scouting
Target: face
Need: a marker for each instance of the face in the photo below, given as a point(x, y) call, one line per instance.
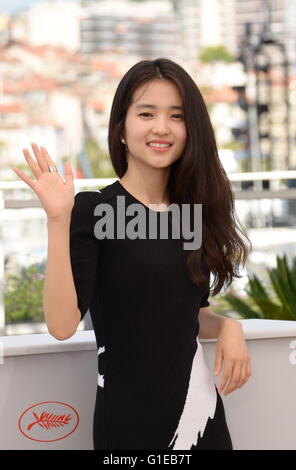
point(156, 113)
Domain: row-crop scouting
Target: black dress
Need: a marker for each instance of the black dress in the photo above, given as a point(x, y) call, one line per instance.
point(154, 388)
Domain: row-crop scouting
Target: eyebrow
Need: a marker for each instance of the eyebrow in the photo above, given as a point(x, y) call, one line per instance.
point(154, 107)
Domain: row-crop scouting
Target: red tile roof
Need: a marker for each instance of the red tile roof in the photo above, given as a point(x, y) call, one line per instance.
point(220, 95)
point(30, 83)
point(11, 108)
point(96, 104)
point(109, 67)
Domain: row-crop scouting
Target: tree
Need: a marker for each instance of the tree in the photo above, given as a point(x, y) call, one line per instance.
point(23, 294)
point(99, 160)
point(216, 54)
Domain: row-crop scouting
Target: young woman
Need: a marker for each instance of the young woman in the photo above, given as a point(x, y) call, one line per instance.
point(148, 296)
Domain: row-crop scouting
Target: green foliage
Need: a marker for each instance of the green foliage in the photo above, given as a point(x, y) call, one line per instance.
point(277, 301)
point(206, 89)
point(23, 295)
point(245, 165)
point(232, 145)
point(216, 54)
point(266, 164)
point(99, 160)
point(22, 166)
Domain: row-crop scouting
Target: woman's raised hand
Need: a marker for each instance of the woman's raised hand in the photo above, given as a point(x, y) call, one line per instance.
point(55, 194)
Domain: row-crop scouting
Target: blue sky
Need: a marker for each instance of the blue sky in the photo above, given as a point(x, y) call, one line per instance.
point(11, 6)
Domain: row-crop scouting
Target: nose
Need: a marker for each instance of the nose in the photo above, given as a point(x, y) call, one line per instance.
point(161, 127)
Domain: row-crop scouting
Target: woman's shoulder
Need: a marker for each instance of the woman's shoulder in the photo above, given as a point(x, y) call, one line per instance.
point(98, 195)
point(85, 203)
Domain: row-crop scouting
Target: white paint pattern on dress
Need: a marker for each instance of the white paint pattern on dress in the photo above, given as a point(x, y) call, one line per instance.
point(200, 403)
point(101, 377)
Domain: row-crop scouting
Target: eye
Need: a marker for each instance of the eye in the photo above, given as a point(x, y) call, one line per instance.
point(180, 116)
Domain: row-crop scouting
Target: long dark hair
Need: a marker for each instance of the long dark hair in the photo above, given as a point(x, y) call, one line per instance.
point(196, 177)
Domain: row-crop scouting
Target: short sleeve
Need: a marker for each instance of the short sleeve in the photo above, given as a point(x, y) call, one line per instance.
point(84, 249)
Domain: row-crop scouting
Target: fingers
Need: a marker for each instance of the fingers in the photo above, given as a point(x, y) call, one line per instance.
point(24, 177)
point(235, 378)
point(44, 153)
point(227, 373)
point(68, 170)
point(43, 165)
point(218, 362)
point(237, 375)
point(69, 176)
point(41, 157)
point(32, 164)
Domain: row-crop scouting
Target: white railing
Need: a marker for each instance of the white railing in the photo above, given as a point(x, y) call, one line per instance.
point(19, 199)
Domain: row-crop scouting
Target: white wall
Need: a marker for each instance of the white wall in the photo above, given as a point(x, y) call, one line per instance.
point(38, 370)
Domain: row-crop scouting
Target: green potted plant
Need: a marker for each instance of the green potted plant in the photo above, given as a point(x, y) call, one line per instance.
point(276, 301)
point(23, 295)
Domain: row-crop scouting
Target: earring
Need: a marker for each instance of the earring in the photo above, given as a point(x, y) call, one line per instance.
point(126, 149)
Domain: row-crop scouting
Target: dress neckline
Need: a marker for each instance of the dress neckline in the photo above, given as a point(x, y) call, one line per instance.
point(124, 190)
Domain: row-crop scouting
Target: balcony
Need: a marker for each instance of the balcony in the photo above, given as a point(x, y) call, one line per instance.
point(43, 375)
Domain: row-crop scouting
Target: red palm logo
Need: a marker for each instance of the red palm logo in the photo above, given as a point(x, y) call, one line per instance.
point(48, 421)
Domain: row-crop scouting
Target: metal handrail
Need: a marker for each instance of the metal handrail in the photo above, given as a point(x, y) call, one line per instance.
point(240, 194)
point(244, 176)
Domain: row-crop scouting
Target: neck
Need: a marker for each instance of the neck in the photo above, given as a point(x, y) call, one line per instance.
point(148, 185)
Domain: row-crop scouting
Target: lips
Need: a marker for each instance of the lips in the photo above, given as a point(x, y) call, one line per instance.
point(159, 148)
point(165, 142)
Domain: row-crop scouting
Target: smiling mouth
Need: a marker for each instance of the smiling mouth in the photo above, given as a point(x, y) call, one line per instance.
point(159, 147)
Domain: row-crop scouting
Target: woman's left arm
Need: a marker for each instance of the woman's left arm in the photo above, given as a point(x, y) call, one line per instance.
point(231, 347)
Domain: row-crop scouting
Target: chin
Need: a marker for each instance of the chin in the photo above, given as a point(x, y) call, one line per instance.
point(158, 161)
point(161, 164)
